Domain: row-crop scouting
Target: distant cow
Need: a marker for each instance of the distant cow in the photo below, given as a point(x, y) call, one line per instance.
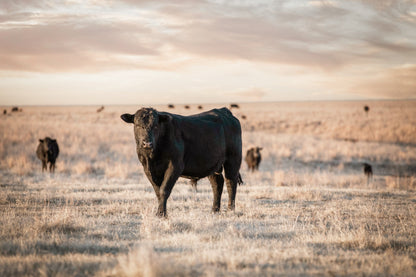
point(47, 152)
point(253, 158)
point(368, 171)
point(4, 111)
point(15, 109)
point(100, 109)
point(200, 107)
point(233, 105)
point(171, 106)
point(366, 109)
point(187, 107)
point(170, 146)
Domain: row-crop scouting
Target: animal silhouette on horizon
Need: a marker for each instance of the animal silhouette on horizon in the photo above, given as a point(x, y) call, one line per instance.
point(368, 171)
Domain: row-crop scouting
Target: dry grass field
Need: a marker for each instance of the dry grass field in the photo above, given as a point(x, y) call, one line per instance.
point(308, 211)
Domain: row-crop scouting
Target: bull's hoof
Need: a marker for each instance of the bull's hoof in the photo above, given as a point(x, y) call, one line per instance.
point(162, 214)
point(215, 209)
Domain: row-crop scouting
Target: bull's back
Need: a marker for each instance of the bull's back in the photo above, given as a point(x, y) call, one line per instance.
point(221, 133)
point(210, 122)
point(204, 140)
point(232, 129)
point(222, 117)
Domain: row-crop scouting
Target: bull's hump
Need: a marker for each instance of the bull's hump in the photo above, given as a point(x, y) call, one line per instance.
point(225, 110)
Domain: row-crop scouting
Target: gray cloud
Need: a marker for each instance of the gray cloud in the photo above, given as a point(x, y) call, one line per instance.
point(72, 42)
point(11, 6)
point(255, 34)
point(326, 35)
point(253, 39)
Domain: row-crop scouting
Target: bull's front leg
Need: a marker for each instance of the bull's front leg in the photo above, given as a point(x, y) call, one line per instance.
point(172, 174)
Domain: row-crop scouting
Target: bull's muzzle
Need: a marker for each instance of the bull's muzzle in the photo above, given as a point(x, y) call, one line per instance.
point(147, 144)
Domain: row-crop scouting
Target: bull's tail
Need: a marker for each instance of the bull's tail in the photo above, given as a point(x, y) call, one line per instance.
point(239, 179)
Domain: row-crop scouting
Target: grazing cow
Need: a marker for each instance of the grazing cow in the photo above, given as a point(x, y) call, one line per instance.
point(253, 158)
point(171, 106)
point(366, 109)
point(187, 107)
point(170, 146)
point(4, 111)
point(200, 107)
point(15, 109)
point(368, 171)
point(100, 109)
point(233, 105)
point(47, 152)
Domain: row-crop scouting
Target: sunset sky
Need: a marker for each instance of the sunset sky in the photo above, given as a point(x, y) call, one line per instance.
point(94, 52)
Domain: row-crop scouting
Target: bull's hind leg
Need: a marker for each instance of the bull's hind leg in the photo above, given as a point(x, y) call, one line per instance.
point(217, 183)
point(232, 192)
point(231, 179)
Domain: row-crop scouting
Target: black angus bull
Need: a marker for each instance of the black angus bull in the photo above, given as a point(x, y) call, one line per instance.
point(170, 146)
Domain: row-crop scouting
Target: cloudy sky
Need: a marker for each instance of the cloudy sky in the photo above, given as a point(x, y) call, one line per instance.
point(196, 51)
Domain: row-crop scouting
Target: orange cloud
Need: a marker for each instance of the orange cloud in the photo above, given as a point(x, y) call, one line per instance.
point(320, 39)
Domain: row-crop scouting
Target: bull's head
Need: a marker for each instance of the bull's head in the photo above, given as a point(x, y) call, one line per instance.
point(147, 127)
point(46, 145)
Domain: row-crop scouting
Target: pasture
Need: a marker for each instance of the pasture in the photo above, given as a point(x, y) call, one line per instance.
point(308, 211)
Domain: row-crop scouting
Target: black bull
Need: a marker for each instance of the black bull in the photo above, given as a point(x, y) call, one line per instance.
point(170, 146)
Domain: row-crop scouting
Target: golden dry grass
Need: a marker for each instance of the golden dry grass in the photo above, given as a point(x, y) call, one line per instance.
point(308, 211)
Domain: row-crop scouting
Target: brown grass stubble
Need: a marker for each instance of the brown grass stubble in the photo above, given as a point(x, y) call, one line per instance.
point(308, 210)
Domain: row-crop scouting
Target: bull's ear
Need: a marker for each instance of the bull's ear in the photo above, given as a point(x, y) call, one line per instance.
point(129, 118)
point(164, 118)
point(41, 140)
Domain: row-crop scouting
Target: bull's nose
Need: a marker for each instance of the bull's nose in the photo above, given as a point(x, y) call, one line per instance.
point(147, 144)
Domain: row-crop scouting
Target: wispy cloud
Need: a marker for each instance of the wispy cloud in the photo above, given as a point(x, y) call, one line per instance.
point(314, 36)
point(327, 36)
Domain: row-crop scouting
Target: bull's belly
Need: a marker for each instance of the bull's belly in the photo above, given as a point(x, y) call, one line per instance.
point(202, 170)
point(202, 160)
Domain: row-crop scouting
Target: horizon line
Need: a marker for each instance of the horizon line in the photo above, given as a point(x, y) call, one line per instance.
point(214, 103)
